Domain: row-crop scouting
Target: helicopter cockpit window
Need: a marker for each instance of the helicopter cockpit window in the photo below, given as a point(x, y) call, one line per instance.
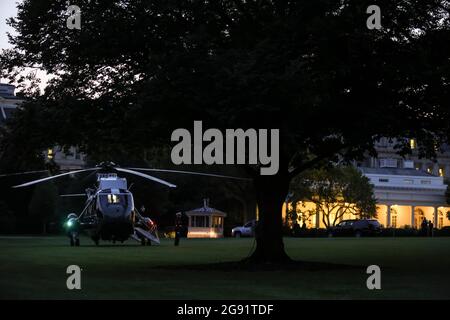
point(113, 198)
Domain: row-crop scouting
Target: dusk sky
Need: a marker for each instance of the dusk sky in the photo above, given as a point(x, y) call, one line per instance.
point(7, 10)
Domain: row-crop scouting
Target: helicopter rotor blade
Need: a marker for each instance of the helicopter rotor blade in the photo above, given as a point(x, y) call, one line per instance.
point(26, 184)
point(192, 173)
point(140, 174)
point(73, 195)
point(21, 173)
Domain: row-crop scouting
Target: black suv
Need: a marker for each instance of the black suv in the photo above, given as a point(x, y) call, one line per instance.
point(357, 228)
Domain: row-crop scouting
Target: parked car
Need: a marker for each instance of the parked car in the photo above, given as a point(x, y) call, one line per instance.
point(357, 228)
point(247, 230)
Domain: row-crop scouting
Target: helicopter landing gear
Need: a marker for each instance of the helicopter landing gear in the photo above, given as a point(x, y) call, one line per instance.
point(145, 242)
point(74, 239)
point(96, 240)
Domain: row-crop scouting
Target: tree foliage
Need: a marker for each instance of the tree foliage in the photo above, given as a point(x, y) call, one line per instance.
point(139, 69)
point(335, 192)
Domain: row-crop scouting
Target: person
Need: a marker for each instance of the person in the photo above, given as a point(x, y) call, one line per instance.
point(424, 227)
point(296, 230)
point(178, 228)
point(430, 228)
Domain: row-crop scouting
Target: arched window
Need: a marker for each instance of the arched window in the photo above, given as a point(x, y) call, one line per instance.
point(394, 217)
point(418, 217)
point(440, 220)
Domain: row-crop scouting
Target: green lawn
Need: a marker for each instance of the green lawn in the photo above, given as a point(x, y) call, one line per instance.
point(411, 268)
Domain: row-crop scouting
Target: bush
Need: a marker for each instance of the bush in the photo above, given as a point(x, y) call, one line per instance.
point(399, 232)
point(309, 233)
point(7, 220)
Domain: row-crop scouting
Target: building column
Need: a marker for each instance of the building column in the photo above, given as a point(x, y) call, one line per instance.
point(317, 219)
point(412, 216)
point(435, 216)
point(388, 215)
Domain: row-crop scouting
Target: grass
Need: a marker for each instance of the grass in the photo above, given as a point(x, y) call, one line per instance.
point(411, 268)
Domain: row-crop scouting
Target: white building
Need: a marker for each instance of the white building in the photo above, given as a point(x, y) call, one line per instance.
point(8, 101)
point(405, 196)
point(205, 222)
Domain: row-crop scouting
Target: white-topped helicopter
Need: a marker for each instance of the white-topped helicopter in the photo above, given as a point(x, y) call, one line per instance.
point(109, 212)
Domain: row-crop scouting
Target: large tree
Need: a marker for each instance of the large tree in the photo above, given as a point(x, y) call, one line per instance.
point(313, 69)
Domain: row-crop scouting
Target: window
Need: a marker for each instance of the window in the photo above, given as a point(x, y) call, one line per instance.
point(50, 154)
point(113, 198)
point(388, 163)
point(394, 221)
point(440, 220)
point(412, 143)
point(383, 180)
point(425, 182)
point(408, 181)
point(109, 199)
point(200, 221)
point(441, 172)
point(217, 222)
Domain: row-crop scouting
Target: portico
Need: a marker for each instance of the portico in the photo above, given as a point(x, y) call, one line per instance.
point(407, 196)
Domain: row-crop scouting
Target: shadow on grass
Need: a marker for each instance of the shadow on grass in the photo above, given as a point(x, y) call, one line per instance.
point(251, 267)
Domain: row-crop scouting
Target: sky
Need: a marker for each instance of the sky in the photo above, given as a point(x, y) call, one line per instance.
point(8, 9)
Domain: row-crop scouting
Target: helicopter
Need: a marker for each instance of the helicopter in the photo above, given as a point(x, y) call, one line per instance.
point(109, 213)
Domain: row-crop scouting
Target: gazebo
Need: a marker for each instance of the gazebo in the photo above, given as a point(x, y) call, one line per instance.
point(205, 222)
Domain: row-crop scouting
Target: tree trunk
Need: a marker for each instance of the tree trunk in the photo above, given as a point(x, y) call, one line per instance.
point(271, 194)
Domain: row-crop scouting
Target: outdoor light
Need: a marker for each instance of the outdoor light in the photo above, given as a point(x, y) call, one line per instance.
point(69, 223)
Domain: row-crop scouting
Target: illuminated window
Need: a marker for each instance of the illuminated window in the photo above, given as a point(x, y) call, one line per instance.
point(440, 220)
point(217, 222)
point(429, 169)
point(412, 143)
point(394, 221)
point(200, 221)
point(50, 154)
point(441, 172)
